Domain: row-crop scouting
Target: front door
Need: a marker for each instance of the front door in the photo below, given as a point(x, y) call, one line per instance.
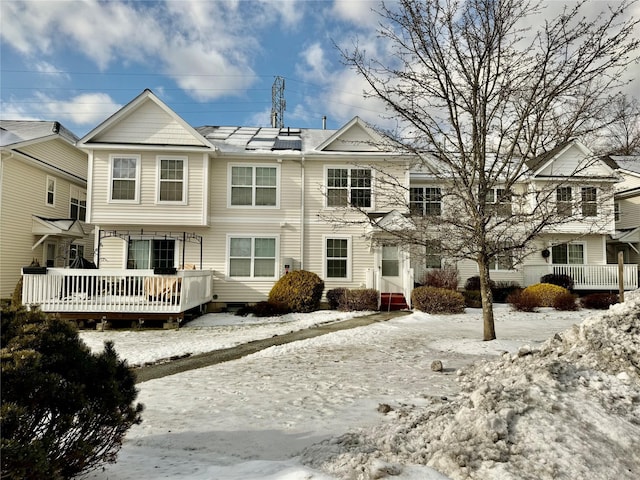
point(391, 268)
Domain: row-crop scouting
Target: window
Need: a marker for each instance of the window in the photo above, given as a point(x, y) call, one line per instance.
point(143, 254)
point(171, 178)
point(616, 211)
point(51, 191)
point(252, 257)
point(425, 200)
point(75, 251)
point(499, 201)
point(568, 253)
point(349, 186)
point(125, 173)
point(78, 203)
point(433, 256)
point(564, 206)
point(254, 186)
point(589, 202)
point(390, 261)
point(337, 257)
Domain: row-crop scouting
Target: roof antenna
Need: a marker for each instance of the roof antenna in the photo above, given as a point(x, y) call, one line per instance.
point(278, 103)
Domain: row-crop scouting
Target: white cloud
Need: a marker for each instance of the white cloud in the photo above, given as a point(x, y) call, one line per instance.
point(360, 12)
point(315, 63)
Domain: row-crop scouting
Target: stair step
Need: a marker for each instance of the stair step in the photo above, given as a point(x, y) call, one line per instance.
point(393, 301)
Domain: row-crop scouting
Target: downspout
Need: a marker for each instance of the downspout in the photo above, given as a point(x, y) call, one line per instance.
point(302, 219)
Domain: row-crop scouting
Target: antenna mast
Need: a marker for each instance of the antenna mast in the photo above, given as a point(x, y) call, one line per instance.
point(278, 103)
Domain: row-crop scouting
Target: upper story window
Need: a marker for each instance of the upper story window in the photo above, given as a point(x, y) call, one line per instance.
point(589, 201)
point(125, 178)
point(254, 186)
point(51, 191)
point(499, 201)
point(564, 200)
point(252, 257)
point(172, 179)
point(616, 211)
point(348, 186)
point(78, 203)
point(425, 200)
point(155, 253)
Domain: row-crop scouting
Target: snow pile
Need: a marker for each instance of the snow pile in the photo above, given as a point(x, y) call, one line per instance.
point(568, 409)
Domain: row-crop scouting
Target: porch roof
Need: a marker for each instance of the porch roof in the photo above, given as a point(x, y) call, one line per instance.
point(61, 227)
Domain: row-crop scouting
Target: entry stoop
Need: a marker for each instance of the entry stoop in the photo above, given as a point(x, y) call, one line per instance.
point(392, 301)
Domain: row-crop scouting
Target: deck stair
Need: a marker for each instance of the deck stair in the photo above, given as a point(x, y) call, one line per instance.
point(392, 301)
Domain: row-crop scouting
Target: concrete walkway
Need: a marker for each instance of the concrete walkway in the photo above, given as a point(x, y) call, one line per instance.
point(150, 372)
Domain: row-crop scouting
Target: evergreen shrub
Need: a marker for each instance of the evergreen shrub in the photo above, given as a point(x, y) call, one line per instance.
point(437, 300)
point(473, 283)
point(335, 297)
point(502, 290)
point(65, 410)
point(599, 301)
point(447, 277)
point(561, 280)
point(300, 291)
point(545, 293)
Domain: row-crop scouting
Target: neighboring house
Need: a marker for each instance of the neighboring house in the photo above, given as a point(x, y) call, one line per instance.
point(43, 199)
point(626, 238)
point(245, 205)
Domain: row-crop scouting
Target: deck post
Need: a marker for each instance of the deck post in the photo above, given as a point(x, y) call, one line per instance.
point(621, 275)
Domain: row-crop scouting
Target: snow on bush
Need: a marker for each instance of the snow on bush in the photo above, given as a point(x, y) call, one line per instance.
point(568, 410)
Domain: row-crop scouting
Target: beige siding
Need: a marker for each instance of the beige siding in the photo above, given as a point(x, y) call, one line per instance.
point(148, 211)
point(629, 213)
point(23, 195)
point(573, 162)
point(148, 124)
point(61, 155)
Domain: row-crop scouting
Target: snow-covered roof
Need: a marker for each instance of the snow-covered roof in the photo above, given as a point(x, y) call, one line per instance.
point(14, 132)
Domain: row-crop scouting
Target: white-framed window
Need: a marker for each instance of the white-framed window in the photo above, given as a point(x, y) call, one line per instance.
point(348, 186)
point(616, 211)
point(76, 250)
point(337, 257)
point(252, 256)
point(172, 179)
point(77, 203)
point(564, 199)
point(254, 185)
point(568, 253)
point(151, 253)
point(50, 199)
point(390, 261)
point(589, 201)
point(124, 178)
point(425, 200)
point(499, 201)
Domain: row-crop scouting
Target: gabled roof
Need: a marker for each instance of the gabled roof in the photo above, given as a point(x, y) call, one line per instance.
point(542, 165)
point(129, 109)
point(16, 133)
point(356, 136)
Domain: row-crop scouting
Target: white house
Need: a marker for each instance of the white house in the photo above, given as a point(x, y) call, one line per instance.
point(218, 214)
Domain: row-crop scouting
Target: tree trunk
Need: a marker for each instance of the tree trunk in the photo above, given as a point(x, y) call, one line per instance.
point(487, 301)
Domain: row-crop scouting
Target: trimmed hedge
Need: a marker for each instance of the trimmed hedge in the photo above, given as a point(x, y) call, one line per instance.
point(599, 301)
point(473, 283)
point(263, 309)
point(437, 300)
point(545, 293)
point(472, 298)
point(447, 277)
point(300, 291)
point(361, 299)
point(523, 301)
point(566, 302)
point(335, 297)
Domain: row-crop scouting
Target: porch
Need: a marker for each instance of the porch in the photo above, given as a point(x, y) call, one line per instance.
point(116, 293)
point(586, 277)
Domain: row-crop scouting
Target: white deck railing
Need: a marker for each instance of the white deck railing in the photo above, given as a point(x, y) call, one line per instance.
point(586, 277)
point(114, 290)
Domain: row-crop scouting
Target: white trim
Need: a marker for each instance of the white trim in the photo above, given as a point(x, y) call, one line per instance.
point(253, 167)
point(585, 255)
point(349, 168)
point(348, 238)
point(138, 159)
point(79, 192)
point(185, 176)
point(276, 266)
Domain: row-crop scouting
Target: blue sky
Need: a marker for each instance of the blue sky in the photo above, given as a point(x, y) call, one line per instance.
point(213, 62)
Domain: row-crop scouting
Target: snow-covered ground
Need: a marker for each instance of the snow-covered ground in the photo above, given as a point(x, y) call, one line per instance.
point(311, 409)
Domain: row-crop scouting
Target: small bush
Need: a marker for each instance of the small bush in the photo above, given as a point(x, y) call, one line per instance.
point(263, 309)
point(437, 300)
point(564, 281)
point(502, 291)
point(473, 283)
point(599, 301)
point(523, 301)
point(362, 299)
point(447, 277)
point(472, 298)
point(335, 297)
point(545, 293)
point(300, 291)
point(566, 302)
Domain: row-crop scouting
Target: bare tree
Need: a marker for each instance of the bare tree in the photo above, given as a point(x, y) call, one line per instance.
point(622, 135)
point(483, 90)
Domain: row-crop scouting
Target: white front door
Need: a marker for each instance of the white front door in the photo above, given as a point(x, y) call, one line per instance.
point(391, 269)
